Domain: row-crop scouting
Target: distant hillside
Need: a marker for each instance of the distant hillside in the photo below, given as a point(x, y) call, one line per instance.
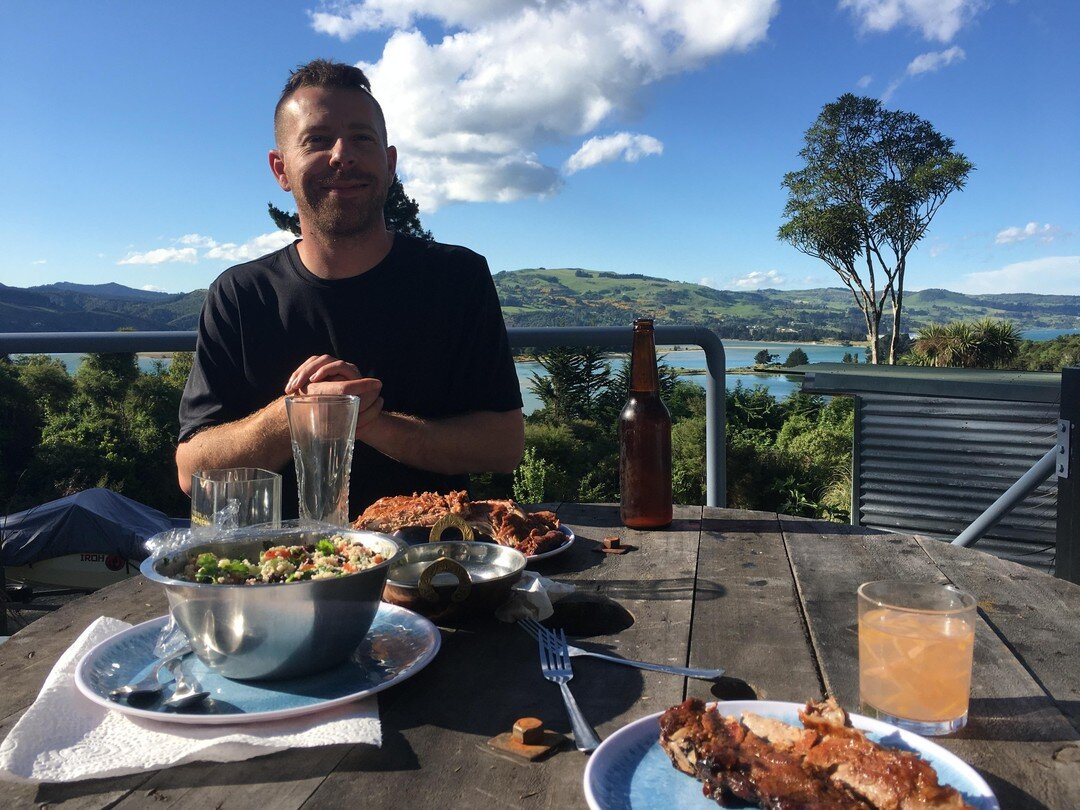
point(110, 290)
point(570, 297)
point(577, 297)
point(66, 307)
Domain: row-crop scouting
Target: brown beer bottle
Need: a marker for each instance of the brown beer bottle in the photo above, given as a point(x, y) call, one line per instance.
point(645, 440)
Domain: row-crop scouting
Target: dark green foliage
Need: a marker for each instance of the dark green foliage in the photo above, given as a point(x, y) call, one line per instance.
point(284, 220)
point(575, 379)
point(20, 428)
point(688, 474)
point(685, 400)
point(764, 358)
point(796, 358)
point(111, 426)
point(985, 343)
point(47, 380)
point(871, 183)
point(401, 213)
point(1048, 355)
point(792, 456)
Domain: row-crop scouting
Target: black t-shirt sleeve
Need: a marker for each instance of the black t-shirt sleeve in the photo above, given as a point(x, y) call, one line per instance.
point(216, 369)
point(488, 375)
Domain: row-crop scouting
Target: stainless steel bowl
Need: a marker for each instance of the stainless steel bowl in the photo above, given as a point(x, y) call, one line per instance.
point(451, 580)
point(283, 630)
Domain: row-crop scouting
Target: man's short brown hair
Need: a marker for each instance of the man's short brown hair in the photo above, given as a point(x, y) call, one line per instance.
point(328, 74)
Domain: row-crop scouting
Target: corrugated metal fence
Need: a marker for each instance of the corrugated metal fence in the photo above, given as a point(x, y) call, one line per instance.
point(931, 465)
point(933, 448)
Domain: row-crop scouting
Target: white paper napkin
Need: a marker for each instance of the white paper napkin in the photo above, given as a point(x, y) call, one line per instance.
point(532, 597)
point(64, 736)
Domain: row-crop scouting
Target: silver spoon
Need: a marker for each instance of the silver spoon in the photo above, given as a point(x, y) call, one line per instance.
point(188, 691)
point(150, 685)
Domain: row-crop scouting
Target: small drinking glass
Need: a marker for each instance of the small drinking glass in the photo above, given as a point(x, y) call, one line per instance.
point(323, 430)
point(235, 497)
point(916, 641)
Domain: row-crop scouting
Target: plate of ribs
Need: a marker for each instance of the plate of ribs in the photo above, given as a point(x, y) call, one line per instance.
point(757, 753)
point(537, 535)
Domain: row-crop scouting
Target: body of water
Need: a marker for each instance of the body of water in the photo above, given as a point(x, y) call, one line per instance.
point(737, 354)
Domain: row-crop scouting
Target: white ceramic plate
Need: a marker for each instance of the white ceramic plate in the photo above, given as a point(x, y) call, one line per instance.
point(399, 644)
point(559, 549)
point(630, 771)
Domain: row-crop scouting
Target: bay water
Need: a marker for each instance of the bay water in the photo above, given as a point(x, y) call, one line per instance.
point(737, 354)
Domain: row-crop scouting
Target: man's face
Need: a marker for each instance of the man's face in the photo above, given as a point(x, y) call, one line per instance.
point(332, 155)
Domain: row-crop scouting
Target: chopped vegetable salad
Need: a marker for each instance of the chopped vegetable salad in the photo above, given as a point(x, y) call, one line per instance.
point(332, 556)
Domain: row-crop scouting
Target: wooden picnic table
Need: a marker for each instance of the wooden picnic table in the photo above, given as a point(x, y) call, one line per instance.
point(769, 597)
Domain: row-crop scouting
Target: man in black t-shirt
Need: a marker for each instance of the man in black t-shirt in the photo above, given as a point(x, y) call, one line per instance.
point(411, 327)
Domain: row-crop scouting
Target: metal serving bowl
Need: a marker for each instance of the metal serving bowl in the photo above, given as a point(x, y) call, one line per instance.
point(274, 630)
point(451, 580)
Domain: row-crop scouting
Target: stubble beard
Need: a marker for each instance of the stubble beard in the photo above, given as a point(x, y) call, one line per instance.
point(343, 219)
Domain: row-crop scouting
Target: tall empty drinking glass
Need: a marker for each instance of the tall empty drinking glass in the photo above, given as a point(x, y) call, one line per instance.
point(322, 429)
point(233, 497)
point(916, 641)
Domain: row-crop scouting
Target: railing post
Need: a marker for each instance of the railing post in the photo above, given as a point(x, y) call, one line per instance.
point(1067, 561)
point(619, 338)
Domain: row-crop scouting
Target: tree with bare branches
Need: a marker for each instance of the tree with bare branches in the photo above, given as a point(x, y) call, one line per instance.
point(872, 182)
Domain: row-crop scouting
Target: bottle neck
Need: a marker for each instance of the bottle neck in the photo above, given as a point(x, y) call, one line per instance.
point(643, 375)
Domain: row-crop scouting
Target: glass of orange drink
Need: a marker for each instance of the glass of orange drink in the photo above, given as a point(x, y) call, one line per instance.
point(916, 641)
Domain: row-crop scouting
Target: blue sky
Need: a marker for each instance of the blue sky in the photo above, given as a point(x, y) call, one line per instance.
point(639, 136)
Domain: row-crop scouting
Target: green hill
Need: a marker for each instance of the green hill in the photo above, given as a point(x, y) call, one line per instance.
point(577, 297)
point(571, 297)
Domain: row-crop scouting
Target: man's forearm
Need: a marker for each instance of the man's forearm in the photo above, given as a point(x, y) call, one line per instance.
point(486, 441)
point(258, 440)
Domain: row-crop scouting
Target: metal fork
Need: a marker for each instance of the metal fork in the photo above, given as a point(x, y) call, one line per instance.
point(555, 664)
point(535, 629)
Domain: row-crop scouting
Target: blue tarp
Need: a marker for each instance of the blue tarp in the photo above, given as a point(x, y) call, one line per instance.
point(93, 521)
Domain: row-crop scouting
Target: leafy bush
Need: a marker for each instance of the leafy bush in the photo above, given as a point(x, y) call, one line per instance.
point(796, 358)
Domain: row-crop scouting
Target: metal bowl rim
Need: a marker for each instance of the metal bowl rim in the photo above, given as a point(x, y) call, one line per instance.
point(519, 561)
point(147, 567)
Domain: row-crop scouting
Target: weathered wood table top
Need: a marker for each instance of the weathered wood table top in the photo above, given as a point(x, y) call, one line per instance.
point(768, 597)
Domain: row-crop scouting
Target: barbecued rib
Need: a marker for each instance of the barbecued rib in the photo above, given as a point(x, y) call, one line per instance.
point(826, 764)
point(419, 509)
point(502, 520)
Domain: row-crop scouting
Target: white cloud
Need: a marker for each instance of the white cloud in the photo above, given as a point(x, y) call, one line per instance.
point(229, 251)
point(1053, 275)
point(621, 146)
point(925, 63)
point(887, 93)
point(935, 19)
point(151, 288)
point(935, 60)
point(864, 81)
point(251, 249)
point(196, 240)
point(39, 261)
point(345, 20)
point(162, 256)
point(706, 281)
point(470, 112)
point(758, 279)
point(1033, 230)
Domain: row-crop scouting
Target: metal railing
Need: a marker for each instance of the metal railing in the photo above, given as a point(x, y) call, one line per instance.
point(603, 337)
